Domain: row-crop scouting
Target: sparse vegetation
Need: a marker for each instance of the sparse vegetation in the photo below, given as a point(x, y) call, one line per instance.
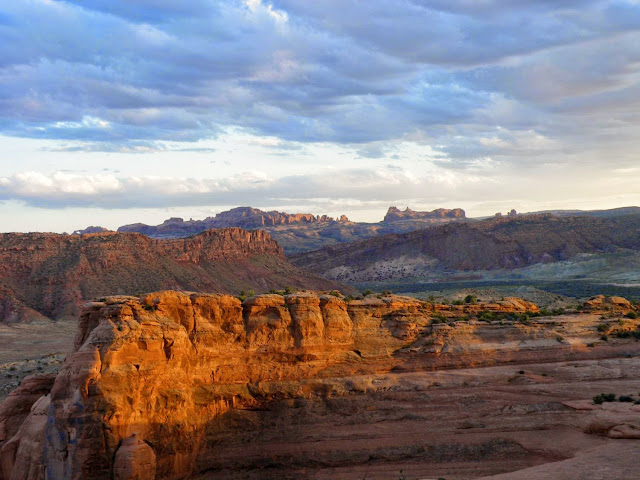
point(625, 398)
point(471, 299)
point(245, 294)
point(604, 397)
point(632, 315)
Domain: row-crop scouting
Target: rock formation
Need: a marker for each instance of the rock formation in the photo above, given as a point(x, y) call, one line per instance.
point(395, 214)
point(49, 275)
point(242, 217)
point(151, 379)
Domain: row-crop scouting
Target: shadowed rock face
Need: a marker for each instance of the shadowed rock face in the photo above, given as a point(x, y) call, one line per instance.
point(49, 275)
point(169, 367)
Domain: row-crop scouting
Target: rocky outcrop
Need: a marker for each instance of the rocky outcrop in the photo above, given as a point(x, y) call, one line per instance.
point(150, 378)
point(396, 215)
point(49, 275)
point(603, 304)
point(166, 365)
point(15, 409)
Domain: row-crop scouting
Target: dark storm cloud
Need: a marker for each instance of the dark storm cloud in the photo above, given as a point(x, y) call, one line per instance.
point(120, 74)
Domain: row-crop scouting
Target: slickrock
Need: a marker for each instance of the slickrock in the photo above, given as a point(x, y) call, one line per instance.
point(178, 370)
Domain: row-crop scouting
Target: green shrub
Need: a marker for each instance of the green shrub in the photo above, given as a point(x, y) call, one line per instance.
point(457, 302)
point(633, 315)
point(604, 338)
point(603, 327)
point(623, 334)
point(604, 397)
point(472, 299)
point(625, 398)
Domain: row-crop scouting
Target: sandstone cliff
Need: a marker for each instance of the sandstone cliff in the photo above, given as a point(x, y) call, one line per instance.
point(146, 390)
point(49, 275)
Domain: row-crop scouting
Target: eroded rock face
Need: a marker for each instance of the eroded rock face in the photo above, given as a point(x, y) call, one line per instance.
point(50, 276)
point(166, 367)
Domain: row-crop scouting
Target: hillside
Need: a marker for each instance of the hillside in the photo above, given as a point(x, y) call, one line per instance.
point(50, 275)
point(470, 250)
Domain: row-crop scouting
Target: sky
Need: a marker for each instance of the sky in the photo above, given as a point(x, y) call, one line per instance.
point(114, 112)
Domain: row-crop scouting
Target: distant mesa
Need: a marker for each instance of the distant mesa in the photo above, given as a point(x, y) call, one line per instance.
point(395, 214)
point(242, 217)
point(91, 229)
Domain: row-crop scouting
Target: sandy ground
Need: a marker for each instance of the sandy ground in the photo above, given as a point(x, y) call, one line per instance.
point(38, 347)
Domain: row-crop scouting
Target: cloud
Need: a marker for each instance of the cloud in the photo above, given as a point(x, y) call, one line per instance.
point(485, 83)
point(105, 190)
